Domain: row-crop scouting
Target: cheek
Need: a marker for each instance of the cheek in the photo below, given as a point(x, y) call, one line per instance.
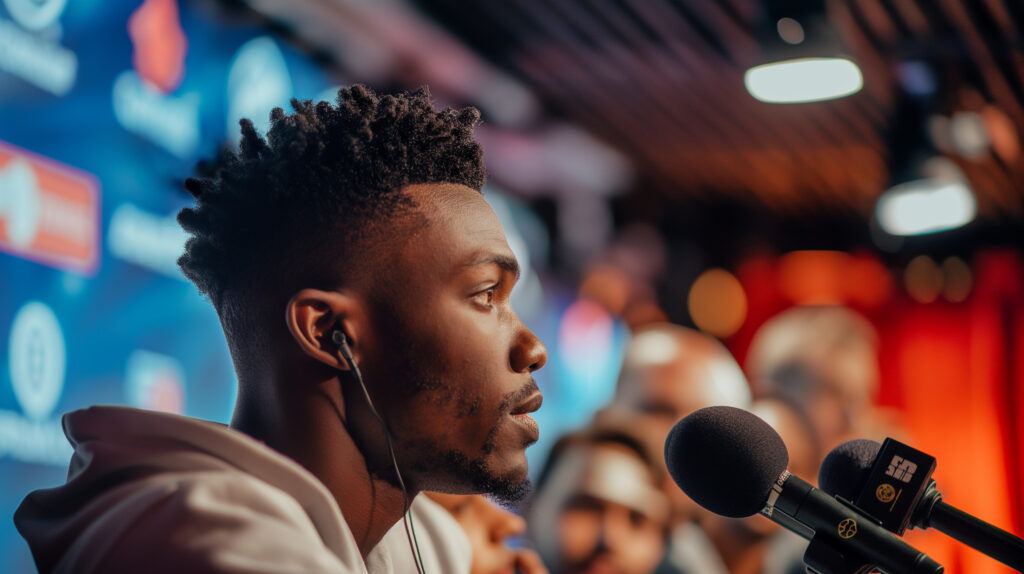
point(578, 532)
point(465, 341)
point(645, 548)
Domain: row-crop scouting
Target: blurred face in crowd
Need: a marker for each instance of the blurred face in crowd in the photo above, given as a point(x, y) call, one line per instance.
point(600, 511)
point(488, 528)
point(668, 373)
point(671, 371)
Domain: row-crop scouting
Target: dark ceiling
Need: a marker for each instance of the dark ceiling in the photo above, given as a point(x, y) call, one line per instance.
point(662, 81)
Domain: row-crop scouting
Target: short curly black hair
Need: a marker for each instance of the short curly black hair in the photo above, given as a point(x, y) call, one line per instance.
point(323, 179)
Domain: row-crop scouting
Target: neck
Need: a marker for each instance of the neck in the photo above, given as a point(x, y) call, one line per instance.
point(309, 423)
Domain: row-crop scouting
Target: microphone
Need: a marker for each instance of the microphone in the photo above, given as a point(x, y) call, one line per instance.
point(734, 464)
point(892, 482)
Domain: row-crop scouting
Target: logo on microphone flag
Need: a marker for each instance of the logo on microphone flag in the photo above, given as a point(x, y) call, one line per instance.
point(885, 493)
point(901, 469)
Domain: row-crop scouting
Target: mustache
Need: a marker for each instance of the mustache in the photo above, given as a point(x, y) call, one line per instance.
point(515, 397)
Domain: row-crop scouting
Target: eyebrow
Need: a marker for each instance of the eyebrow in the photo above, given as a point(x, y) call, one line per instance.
point(505, 262)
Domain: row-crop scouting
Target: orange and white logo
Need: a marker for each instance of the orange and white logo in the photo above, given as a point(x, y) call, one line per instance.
point(49, 212)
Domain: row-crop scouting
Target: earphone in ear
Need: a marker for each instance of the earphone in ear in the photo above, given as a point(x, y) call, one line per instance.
point(340, 341)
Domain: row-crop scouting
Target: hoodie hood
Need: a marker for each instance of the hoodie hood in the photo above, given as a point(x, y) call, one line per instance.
point(124, 456)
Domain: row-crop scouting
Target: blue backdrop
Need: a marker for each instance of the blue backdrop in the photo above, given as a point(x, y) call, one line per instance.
point(98, 126)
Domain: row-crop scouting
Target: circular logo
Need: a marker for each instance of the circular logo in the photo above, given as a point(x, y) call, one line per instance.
point(847, 528)
point(35, 14)
point(885, 493)
point(37, 359)
point(21, 204)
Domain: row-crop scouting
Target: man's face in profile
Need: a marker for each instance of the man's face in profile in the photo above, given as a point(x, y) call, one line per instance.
point(451, 360)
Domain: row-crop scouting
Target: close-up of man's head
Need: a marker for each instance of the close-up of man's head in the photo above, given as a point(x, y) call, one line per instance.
point(366, 217)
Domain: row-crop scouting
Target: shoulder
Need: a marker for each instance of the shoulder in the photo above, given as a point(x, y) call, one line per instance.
point(211, 521)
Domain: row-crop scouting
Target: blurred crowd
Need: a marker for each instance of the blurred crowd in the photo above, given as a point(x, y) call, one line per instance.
point(604, 502)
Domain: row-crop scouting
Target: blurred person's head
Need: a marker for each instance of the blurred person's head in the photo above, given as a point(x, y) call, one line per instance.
point(668, 372)
point(836, 345)
point(671, 371)
point(489, 529)
point(599, 507)
point(830, 414)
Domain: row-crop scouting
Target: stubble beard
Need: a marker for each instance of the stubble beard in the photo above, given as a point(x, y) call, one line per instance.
point(432, 459)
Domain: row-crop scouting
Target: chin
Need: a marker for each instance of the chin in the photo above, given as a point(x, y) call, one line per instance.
point(513, 468)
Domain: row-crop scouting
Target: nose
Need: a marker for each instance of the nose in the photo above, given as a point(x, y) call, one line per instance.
point(528, 353)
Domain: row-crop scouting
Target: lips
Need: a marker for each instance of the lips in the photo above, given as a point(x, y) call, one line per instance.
point(530, 405)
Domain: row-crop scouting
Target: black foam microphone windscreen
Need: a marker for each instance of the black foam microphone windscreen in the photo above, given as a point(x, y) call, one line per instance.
point(845, 470)
point(725, 459)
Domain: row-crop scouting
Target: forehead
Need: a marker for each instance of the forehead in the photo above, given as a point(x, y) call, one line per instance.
point(680, 376)
point(448, 203)
point(459, 223)
point(611, 473)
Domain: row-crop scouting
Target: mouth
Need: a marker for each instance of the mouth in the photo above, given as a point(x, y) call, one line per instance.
point(530, 405)
point(521, 415)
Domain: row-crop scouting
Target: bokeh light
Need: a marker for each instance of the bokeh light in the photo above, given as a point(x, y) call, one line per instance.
point(717, 302)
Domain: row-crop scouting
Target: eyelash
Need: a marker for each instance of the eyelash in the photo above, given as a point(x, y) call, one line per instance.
point(490, 292)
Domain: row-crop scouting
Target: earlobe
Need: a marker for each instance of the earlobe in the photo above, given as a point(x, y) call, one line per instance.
point(314, 317)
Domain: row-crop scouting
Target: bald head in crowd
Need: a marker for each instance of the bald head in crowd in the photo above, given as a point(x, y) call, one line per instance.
point(837, 344)
point(824, 358)
point(671, 371)
point(668, 372)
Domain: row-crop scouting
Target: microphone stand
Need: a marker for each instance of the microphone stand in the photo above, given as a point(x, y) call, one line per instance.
point(824, 557)
point(982, 536)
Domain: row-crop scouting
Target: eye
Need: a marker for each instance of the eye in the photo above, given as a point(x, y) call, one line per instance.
point(486, 297)
point(637, 520)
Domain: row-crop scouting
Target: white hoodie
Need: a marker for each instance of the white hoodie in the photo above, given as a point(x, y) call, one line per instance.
point(155, 492)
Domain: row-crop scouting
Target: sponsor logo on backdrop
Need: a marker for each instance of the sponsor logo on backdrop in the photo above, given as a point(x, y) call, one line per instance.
point(141, 97)
point(147, 239)
point(30, 45)
point(258, 81)
point(35, 14)
point(156, 382)
point(171, 122)
point(159, 44)
point(49, 212)
point(37, 359)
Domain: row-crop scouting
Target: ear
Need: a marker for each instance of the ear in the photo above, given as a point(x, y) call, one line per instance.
point(313, 315)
